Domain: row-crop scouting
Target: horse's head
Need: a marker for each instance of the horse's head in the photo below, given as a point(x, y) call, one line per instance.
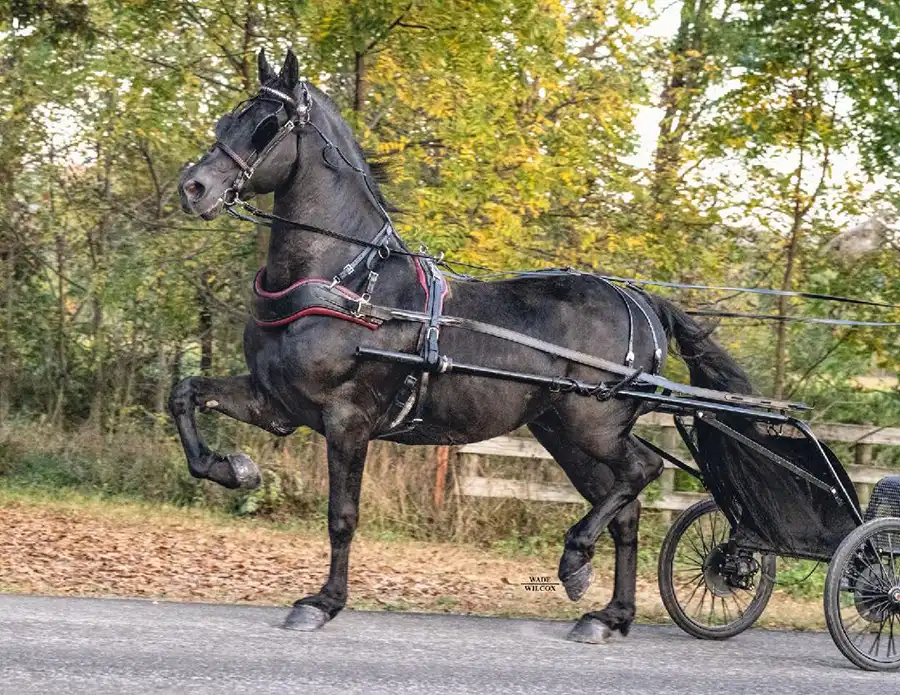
point(253, 152)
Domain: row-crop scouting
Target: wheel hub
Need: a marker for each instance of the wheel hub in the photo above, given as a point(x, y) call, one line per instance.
point(724, 572)
point(874, 600)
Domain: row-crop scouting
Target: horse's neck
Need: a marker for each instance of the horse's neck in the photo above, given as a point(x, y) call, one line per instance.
point(321, 198)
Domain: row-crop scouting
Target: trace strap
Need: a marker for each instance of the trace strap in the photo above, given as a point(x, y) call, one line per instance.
point(382, 314)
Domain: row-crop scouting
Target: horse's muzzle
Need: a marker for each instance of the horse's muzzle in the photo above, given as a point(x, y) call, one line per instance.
point(198, 195)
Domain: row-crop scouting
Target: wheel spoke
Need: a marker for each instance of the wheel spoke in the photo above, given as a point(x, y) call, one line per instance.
point(891, 550)
point(702, 599)
point(879, 588)
point(855, 620)
point(692, 581)
point(891, 638)
point(702, 539)
point(699, 557)
point(876, 643)
point(742, 608)
point(725, 611)
point(694, 593)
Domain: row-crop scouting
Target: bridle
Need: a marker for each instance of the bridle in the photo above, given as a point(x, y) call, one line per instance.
point(386, 242)
point(298, 117)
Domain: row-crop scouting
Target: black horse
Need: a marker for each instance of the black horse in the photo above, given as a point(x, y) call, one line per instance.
point(304, 370)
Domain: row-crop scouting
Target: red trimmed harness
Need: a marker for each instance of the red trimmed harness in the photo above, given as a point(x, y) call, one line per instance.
point(321, 297)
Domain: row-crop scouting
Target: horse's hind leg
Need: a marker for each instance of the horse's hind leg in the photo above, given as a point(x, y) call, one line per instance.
point(618, 614)
point(232, 396)
point(610, 477)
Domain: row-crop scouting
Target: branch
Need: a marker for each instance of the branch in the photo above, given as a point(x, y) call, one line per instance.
point(815, 365)
point(374, 42)
point(179, 68)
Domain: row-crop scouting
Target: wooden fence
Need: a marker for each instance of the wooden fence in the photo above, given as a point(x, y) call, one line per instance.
point(471, 484)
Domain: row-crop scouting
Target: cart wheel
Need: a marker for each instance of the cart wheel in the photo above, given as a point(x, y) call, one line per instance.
point(862, 595)
point(709, 592)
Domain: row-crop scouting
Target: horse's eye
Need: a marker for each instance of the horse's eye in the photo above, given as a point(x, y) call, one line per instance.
point(264, 132)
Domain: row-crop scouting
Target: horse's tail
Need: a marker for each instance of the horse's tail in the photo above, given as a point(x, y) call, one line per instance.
point(709, 365)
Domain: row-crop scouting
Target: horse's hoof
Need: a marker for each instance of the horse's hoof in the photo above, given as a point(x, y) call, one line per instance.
point(245, 470)
point(589, 631)
point(235, 471)
point(577, 583)
point(305, 618)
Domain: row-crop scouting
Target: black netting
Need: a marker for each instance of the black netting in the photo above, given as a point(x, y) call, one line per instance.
point(885, 501)
point(775, 508)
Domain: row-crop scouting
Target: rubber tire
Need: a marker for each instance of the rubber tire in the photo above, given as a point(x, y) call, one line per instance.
point(832, 598)
point(667, 588)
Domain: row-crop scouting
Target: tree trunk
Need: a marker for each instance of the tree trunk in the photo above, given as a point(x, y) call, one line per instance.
point(800, 207)
point(678, 99)
point(359, 84)
point(62, 368)
point(7, 349)
point(97, 248)
point(176, 364)
point(163, 380)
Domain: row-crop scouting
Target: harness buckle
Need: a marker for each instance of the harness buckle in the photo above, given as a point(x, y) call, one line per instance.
point(364, 300)
point(335, 281)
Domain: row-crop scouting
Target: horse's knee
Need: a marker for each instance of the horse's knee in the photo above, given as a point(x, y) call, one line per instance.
point(181, 399)
point(653, 469)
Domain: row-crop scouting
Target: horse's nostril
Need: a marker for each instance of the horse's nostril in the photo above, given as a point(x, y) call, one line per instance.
point(194, 189)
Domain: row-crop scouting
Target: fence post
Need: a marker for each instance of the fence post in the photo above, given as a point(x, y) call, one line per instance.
point(667, 479)
point(440, 477)
point(464, 466)
point(862, 456)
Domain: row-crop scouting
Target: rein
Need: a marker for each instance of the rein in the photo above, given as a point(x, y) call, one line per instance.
point(300, 117)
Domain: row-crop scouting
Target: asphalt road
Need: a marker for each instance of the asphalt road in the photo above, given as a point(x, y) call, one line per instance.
point(122, 647)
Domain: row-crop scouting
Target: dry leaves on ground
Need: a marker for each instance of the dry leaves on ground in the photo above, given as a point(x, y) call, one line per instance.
point(107, 550)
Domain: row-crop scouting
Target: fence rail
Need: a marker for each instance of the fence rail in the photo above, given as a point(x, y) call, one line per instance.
point(470, 484)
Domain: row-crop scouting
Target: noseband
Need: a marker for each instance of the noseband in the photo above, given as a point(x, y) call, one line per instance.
point(298, 117)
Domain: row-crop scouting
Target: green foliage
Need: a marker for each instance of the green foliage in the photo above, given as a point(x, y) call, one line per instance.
point(510, 128)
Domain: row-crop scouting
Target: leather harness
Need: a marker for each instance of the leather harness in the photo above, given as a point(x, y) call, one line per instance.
point(332, 298)
point(321, 297)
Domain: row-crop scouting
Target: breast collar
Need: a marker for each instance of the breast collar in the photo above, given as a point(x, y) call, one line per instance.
point(331, 298)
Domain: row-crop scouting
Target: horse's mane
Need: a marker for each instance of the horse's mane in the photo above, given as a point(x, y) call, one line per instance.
point(378, 170)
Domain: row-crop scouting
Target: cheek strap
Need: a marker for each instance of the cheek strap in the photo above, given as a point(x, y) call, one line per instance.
point(230, 197)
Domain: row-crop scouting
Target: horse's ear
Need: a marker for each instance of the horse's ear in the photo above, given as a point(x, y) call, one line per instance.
point(290, 73)
point(266, 73)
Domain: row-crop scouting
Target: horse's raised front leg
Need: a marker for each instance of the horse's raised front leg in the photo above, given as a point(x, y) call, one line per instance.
point(347, 435)
point(233, 396)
